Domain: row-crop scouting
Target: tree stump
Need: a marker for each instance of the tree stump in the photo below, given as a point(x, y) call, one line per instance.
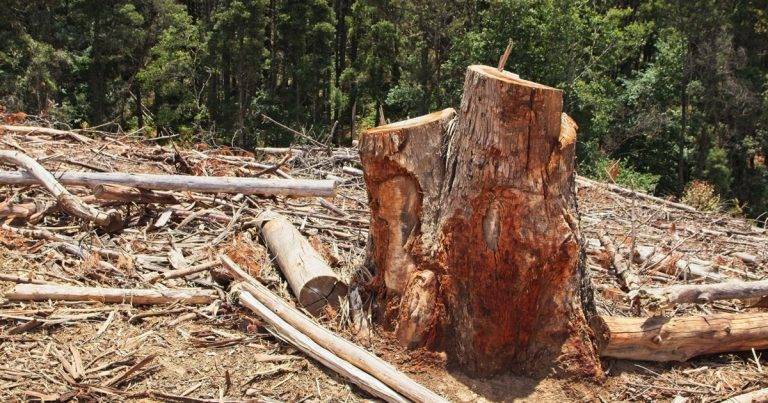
point(474, 230)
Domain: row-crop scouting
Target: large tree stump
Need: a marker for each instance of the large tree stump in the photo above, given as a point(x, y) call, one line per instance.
point(474, 232)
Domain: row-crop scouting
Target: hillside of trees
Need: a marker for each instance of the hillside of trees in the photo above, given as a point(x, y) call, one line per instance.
point(670, 91)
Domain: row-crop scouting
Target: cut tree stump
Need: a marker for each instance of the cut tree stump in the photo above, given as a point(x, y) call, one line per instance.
point(474, 230)
point(678, 339)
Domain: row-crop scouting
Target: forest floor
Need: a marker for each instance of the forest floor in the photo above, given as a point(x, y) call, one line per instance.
point(61, 350)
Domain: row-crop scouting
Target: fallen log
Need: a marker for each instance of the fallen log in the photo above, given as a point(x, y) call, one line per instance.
point(704, 293)
point(131, 195)
point(352, 171)
point(345, 349)
point(20, 210)
point(37, 174)
point(46, 130)
point(55, 292)
point(679, 338)
point(200, 184)
point(632, 193)
point(288, 333)
point(312, 280)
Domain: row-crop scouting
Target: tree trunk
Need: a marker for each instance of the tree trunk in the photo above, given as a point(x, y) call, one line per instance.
point(474, 230)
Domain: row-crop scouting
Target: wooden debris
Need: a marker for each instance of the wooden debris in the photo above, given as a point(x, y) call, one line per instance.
point(629, 279)
point(679, 338)
point(313, 282)
point(68, 202)
point(632, 193)
point(46, 130)
point(167, 275)
point(337, 345)
point(201, 184)
point(705, 293)
point(131, 195)
point(45, 292)
point(287, 332)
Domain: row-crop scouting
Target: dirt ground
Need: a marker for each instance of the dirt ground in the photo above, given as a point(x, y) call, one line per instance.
point(116, 352)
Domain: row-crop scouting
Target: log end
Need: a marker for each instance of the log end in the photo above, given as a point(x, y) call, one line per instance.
point(442, 115)
point(322, 291)
point(601, 332)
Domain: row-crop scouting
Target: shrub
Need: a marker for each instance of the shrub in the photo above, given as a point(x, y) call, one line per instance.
point(620, 173)
point(702, 195)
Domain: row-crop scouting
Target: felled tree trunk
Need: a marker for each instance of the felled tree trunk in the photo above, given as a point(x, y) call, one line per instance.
point(662, 338)
point(474, 231)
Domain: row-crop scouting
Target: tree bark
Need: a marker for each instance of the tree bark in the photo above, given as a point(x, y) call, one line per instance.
point(679, 339)
point(475, 232)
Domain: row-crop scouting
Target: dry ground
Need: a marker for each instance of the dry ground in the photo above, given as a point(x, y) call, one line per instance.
point(222, 353)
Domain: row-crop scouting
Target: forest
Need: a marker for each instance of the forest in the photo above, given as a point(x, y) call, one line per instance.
point(669, 95)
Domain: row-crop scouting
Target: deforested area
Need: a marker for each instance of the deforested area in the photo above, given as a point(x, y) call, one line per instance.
point(360, 200)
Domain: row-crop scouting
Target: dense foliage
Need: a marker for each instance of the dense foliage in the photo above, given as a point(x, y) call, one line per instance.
point(672, 90)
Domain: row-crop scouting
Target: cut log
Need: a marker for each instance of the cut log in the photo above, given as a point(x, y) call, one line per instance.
point(352, 171)
point(201, 184)
point(67, 201)
point(131, 195)
point(679, 339)
point(45, 292)
point(474, 230)
point(343, 348)
point(704, 293)
point(312, 280)
point(287, 332)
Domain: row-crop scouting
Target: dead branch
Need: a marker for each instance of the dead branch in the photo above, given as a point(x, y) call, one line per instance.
point(66, 200)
